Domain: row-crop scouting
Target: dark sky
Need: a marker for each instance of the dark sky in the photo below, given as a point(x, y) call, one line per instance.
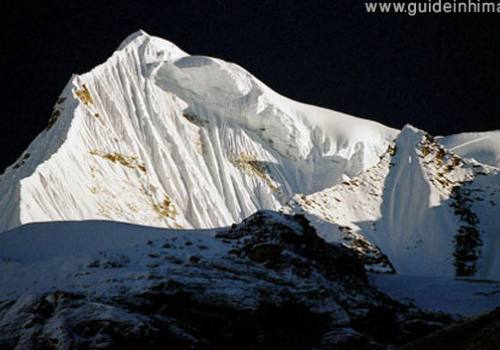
point(438, 72)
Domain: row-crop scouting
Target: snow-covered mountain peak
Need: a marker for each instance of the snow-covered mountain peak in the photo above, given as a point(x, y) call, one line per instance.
point(134, 39)
point(152, 47)
point(421, 210)
point(410, 133)
point(408, 128)
point(158, 137)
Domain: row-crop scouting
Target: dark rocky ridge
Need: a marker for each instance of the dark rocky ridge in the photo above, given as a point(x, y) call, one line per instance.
point(477, 333)
point(295, 290)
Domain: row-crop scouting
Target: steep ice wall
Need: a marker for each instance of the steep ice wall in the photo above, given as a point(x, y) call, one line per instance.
point(155, 136)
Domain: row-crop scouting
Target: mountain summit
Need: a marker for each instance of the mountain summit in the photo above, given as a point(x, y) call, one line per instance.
point(158, 137)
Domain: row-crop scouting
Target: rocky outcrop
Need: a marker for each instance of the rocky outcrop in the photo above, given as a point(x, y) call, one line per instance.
point(272, 283)
point(477, 333)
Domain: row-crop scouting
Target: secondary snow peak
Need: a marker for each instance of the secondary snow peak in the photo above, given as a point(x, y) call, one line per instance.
point(423, 207)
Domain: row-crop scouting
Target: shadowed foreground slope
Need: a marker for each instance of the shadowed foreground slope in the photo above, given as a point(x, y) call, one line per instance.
point(266, 282)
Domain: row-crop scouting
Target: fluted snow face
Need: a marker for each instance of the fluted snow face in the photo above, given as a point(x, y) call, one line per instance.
point(431, 212)
point(155, 136)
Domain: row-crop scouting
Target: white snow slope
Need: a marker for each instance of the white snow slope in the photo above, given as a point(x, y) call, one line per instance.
point(155, 136)
point(482, 146)
point(429, 211)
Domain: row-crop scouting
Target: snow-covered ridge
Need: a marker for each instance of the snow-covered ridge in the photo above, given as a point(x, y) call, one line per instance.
point(155, 136)
point(431, 212)
point(100, 285)
point(481, 146)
